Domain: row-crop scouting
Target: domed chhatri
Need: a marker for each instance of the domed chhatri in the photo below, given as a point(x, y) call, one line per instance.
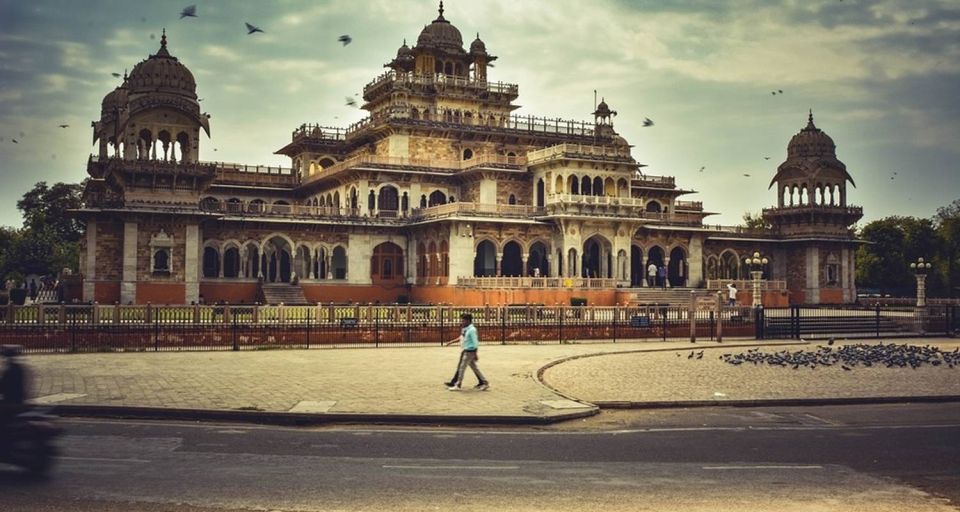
point(441, 33)
point(478, 46)
point(811, 142)
point(162, 72)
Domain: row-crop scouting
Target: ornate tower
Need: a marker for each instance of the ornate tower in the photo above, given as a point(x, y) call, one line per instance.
point(814, 220)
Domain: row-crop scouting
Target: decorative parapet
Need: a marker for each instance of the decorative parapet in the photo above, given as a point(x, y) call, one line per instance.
point(392, 79)
point(467, 209)
point(579, 151)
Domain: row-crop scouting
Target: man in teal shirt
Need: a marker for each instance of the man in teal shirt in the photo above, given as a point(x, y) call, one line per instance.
point(469, 343)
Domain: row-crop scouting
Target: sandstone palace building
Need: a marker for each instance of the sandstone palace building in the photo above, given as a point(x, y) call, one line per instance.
point(440, 195)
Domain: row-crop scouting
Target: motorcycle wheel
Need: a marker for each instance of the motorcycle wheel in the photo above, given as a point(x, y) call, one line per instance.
point(34, 455)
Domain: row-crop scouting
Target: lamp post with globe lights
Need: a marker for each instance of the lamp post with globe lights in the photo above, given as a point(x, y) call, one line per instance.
point(756, 262)
point(920, 269)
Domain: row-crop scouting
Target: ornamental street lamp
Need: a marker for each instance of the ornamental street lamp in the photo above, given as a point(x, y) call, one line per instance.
point(920, 268)
point(756, 263)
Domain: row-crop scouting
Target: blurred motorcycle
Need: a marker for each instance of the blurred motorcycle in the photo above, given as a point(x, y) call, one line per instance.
point(27, 441)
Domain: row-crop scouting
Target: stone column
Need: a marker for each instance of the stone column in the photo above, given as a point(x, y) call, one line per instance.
point(499, 259)
point(191, 264)
point(128, 283)
point(523, 265)
point(90, 270)
point(666, 264)
point(358, 259)
point(813, 275)
point(460, 245)
point(844, 275)
point(695, 261)
point(552, 271)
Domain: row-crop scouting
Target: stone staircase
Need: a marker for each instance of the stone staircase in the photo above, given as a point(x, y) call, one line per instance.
point(671, 296)
point(283, 293)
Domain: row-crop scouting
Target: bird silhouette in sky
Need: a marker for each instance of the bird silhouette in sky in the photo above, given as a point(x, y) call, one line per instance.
point(747, 175)
point(778, 91)
point(345, 39)
point(251, 29)
point(189, 11)
point(64, 125)
point(15, 141)
point(766, 158)
point(351, 102)
point(702, 168)
point(116, 75)
point(647, 122)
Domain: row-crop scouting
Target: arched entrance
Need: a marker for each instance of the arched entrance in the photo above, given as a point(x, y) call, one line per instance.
point(211, 262)
point(597, 258)
point(540, 192)
point(654, 256)
point(338, 263)
point(277, 260)
point(512, 263)
point(386, 264)
point(388, 201)
point(677, 269)
point(636, 266)
point(485, 261)
point(537, 259)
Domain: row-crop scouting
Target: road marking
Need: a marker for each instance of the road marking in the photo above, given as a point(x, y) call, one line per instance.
point(102, 459)
point(761, 467)
point(494, 468)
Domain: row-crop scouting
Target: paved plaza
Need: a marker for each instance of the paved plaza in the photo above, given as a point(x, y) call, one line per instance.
point(529, 383)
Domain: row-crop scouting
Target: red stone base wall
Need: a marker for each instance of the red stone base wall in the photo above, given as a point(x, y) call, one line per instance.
point(160, 293)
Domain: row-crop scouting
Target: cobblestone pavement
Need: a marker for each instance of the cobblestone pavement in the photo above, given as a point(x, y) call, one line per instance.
point(408, 381)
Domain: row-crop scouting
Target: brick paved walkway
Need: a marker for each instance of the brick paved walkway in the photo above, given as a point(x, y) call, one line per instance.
point(408, 381)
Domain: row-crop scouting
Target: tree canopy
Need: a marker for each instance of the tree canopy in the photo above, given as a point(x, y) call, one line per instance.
point(49, 239)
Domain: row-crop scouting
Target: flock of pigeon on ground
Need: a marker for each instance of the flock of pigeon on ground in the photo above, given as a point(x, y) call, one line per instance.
point(847, 357)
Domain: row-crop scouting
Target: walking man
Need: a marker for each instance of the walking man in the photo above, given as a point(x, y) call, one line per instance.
point(469, 343)
point(731, 294)
point(652, 274)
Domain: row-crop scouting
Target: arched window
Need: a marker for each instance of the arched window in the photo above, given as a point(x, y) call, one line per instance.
point(389, 201)
point(338, 263)
point(387, 262)
point(585, 186)
point(161, 261)
point(423, 201)
point(211, 262)
point(654, 207)
point(371, 201)
point(210, 204)
point(231, 262)
point(405, 203)
point(437, 198)
point(512, 199)
point(467, 154)
point(598, 186)
point(257, 206)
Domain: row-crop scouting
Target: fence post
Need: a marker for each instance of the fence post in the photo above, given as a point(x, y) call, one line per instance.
point(616, 315)
point(63, 314)
point(10, 312)
point(560, 316)
point(795, 322)
point(73, 333)
point(503, 325)
point(96, 313)
point(309, 317)
point(156, 332)
point(759, 319)
point(41, 313)
point(233, 331)
point(196, 313)
point(692, 313)
point(442, 338)
point(663, 309)
point(877, 322)
point(376, 326)
point(719, 312)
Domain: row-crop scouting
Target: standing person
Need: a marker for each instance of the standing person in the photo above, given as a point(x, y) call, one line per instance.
point(33, 289)
point(662, 276)
point(652, 274)
point(731, 294)
point(469, 343)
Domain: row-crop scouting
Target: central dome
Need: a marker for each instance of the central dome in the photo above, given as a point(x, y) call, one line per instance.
point(811, 142)
point(162, 72)
point(441, 33)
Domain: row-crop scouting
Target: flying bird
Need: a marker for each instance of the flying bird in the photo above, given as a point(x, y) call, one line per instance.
point(116, 75)
point(189, 11)
point(647, 122)
point(702, 168)
point(251, 29)
point(15, 141)
point(351, 102)
point(345, 39)
point(766, 158)
point(64, 125)
point(747, 175)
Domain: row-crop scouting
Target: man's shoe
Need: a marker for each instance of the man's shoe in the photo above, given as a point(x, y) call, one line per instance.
point(453, 388)
point(448, 384)
point(482, 386)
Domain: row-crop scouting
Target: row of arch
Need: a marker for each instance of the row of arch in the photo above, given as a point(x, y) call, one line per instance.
point(595, 186)
point(595, 259)
point(162, 145)
point(275, 259)
point(728, 265)
point(821, 195)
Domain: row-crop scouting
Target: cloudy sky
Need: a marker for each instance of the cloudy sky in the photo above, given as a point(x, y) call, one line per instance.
point(881, 77)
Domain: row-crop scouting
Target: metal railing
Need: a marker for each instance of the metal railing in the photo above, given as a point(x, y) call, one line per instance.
point(851, 321)
point(537, 282)
point(746, 284)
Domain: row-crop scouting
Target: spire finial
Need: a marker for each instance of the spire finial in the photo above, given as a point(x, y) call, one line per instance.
point(441, 8)
point(810, 124)
point(163, 39)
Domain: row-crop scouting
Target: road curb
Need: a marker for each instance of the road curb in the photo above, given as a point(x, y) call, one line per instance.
point(306, 419)
point(773, 402)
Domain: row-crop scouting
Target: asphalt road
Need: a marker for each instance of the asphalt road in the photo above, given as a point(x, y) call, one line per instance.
point(877, 458)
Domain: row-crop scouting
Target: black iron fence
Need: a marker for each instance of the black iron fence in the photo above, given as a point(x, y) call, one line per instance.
point(818, 322)
point(93, 328)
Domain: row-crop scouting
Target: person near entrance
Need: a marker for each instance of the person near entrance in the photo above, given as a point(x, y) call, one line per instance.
point(652, 274)
point(731, 294)
point(662, 276)
point(469, 343)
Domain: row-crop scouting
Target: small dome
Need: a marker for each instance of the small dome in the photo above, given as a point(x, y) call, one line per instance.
point(162, 72)
point(478, 46)
point(113, 99)
point(811, 142)
point(441, 33)
point(403, 50)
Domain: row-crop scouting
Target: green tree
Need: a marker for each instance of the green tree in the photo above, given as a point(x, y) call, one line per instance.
point(48, 242)
point(755, 221)
point(947, 222)
point(881, 262)
point(46, 207)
